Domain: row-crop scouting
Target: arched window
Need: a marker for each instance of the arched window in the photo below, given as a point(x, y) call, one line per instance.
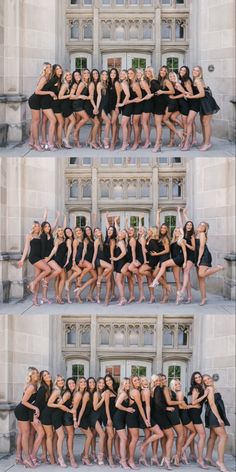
point(88, 31)
point(117, 190)
point(120, 32)
point(106, 30)
point(131, 189)
point(87, 189)
point(147, 30)
point(166, 30)
point(133, 32)
point(74, 189)
point(74, 32)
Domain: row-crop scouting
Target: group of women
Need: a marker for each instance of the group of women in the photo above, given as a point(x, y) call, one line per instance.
point(68, 101)
point(50, 412)
point(73, 255)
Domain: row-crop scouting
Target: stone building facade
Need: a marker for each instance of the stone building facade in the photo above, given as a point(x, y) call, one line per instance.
point(131, 189)
point(121, 33)
point(94, 345)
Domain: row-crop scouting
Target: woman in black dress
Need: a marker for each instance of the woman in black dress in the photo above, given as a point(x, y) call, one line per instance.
point(77, 251)
point(103, 105)
point(120, 260)
point(86, 263)
point(133, 419)
point(198, 398)
point(136, 100)
point(150, 265)
point(146, 107)
point(83, 407)
point(184, 104)
point(216, 420)
point(68, 420)
point(93, 111)
point(104, 268)
point(114, 100)
point(41, 401)
point(42, 99)
point(23, 415)
point(98, 417)
point(66, 108)
point(204, 260)
point(194, 100)
point(91, 388)
point(110, 409)
point(33, 246)
point(126, 110)
point(161, 88)
point(75, 102)
point(47, 245)
point(208, 108)
point(136, 253)
point(79, 107)
point(109, 248)
point(119, 420)
point(177, 261)
point(59, 255)
point(189, 237)
point(162, 254)
point(173, 109)
point(153, 433)
point(56, 404)
point(189, 429)
point(54, 85)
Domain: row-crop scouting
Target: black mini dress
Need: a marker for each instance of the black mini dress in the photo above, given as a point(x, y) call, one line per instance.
point(112, 96)
point(46, 100)
point(60, 256)
point(129, 257)
point(121, 262)
point(68, 417)
point(22, 413)
point(152, 246)
point(173, 103)
point(195, 413)
point(184, 415)
point(47, 246)
point(133, 419)
point(100, 256)
point(85, 421)
point(126, 110)
point(177, 254)
point(159, 101)
point(104, 104)
point(98, 415)
point(147, 105)
point(191, 255)
point(173, 416)
point(119, 418)
point(90, 250)
point(54, 86)
point(194, 104)
point(210, 419)
point(66, 105)
point(137, 107)
point(208, 105)
point(159, 413)
point(112, 409)
point(79, 252)
point(35, 254)
point(79, 104)
point(40, 402)
point(163, 257)
point(206, 259)
point(139, 252)
point(35, 102)
point(142, 425)
point(107, 251)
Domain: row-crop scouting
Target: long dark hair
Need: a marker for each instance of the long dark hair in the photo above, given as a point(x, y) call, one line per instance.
point(47, 387)
point(114, 236)
point(85, 235)
point(194, 385)
point(88, 389)
point(188, 234)
point(67, 385)
point(43, 224)
point(91, 76)
point(72, 235)
point(159, 78)
point(54, 76)
point(186, 76)
point(73, 76)
point(116, 78)
point(114, 384)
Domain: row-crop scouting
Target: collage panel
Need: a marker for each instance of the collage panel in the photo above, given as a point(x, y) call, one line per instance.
point(117, 235)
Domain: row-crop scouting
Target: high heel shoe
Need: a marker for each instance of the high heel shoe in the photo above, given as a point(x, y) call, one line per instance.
point(154, 461)
point(122, 302)
point(38, 148)
point(18, 460)
point(202, 465)
point(66, 144)
point(106, 144)
point(61, 462)
point(86, 461)
point(156, 148)
point(175, 461)
point(203, 302)
point(166, 463)
point(44, 301)
point(154, 284)
point(111, 463)
point(221, 467)
point(28, 464)
point(132, 465)
point(142, 461)
point(184, 458)
point(124, 465)
point(94, 146)
point(146, 146)
point(100, 459)
point(124, 147)
point(210, 462)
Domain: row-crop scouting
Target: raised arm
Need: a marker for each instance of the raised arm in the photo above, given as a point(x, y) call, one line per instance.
point(180, 221)
point(172, 402)
point(55, 223)
point(158, 218)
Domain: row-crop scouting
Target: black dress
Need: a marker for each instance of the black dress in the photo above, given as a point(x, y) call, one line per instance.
point(195, 413)
point(137, 107)
point(152, 246)
point(159, 409)
point(173, 416)
point(184, 415)
point(121, 262)
point(147, 105)
point(46, 100)
point(133, 419)
point(35, 254)
point(90, 250)
point(107, 251)
point(66, 105)
point(190, 253)
point(100, 256)
point(112, 96)
point(35, 102)
point(159, 101)
point(85, 421)
point(98, 415)
point(112, 409)
point(57, 417)
point(22, 413)
point(141, 421)
point(139, 252)
point(40, 401)
point(194, 104)
point(173, 103)
point(68, 417)
point(79, 104)
point(126, 110)
point(60, 256)
point(54, 86)
point(208, 105)
point(177, 254)
point(119, 418)
point(79, 252)
point(104, 104)
point(206, 259)
point(129, 257)
point(210, 418)
point(47, 245)
point(163, 257)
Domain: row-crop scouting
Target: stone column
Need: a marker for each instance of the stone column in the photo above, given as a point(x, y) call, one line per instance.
point(93, 347)
point(157, 362)
point(156, 55)
point(96, 52)
point(94, 193)
point(155, 191)
point(229, 288)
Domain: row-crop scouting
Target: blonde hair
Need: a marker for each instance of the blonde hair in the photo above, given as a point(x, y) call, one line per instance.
point(28, 378)
point(152, 71)
point(180, 238)
point(131, 382)
point(122, 383)
point(145, 379)
point(56, 380)
point(154, 378)
point(173, 383)
point(64, 77)
point(154, 231)
point(33, 227)
point(141, 72)
point(201, 72)
point(207, 226)
point(59, 229)
point(43, 71)
point(173, 73)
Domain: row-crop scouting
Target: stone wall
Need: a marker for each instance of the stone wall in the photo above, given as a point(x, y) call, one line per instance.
point(212, 42)
point(211, 198)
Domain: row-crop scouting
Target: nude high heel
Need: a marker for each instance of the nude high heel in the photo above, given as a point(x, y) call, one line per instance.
point(166, 463)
